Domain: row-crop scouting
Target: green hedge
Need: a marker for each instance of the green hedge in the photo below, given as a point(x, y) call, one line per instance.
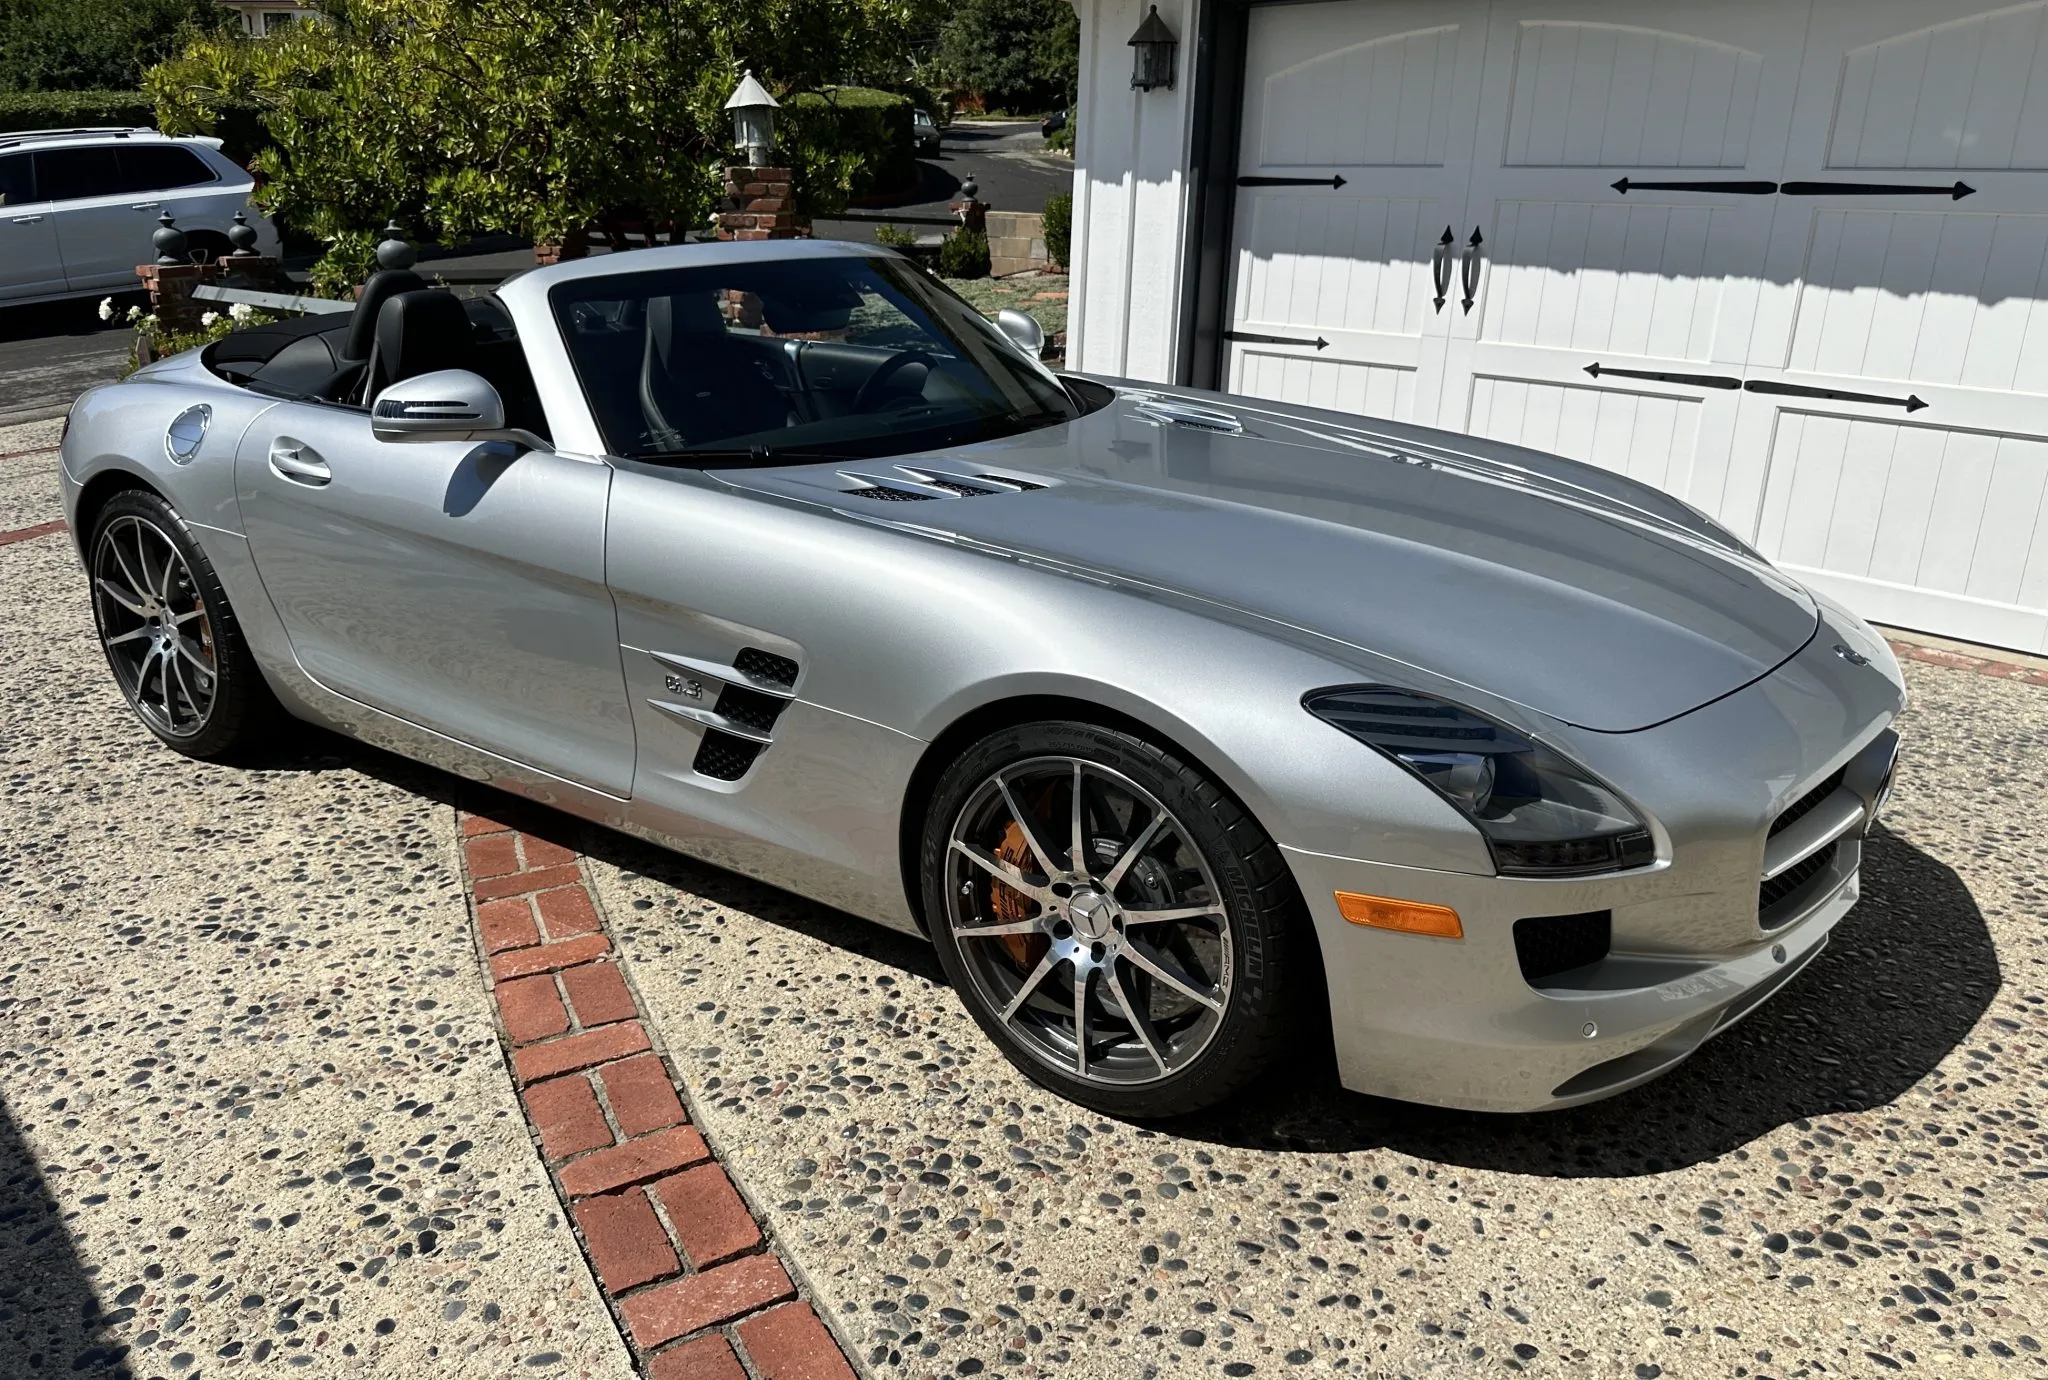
point(850, 135)
point(72, 109)
point(239, 128)
point(1059, 226)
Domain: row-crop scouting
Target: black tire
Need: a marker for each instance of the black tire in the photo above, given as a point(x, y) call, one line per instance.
point(1262, 936)
point(240, 714)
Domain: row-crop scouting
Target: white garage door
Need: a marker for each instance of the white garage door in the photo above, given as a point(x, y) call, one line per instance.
point(1785, 258)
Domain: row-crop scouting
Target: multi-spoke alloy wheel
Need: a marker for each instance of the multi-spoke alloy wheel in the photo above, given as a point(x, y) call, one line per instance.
point(1090, 903)
point(154, 626)
point(171, 640)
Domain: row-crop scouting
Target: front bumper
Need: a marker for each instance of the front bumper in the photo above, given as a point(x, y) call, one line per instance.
point(1457, 1023)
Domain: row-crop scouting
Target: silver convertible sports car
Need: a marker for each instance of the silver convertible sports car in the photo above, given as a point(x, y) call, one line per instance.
point(1182, 724)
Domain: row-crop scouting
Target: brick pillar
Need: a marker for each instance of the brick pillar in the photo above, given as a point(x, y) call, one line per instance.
point(759, 204)
point(972, 214)
point(257, 271)
point(170, 292)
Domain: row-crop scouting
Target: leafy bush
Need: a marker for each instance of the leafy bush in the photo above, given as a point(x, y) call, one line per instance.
point(846, 141)
point(894, 237)
point(530, 116)
point(1062, 139)
point(69, 109)
point(1059, 226)
point(1013, 54)
point(94, 46)
point(964, 255)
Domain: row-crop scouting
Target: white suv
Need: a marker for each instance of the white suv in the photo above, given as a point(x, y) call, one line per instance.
point(78, 207)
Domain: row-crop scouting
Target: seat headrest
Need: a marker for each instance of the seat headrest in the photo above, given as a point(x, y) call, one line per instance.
point(419, 332)
point(384, 284)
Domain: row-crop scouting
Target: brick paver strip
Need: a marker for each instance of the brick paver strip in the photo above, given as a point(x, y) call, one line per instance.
point(45, 529)
point(32, 450)
point(789, 1343)
point(695, 1302)
point(707, 1358)
point(701, 1295)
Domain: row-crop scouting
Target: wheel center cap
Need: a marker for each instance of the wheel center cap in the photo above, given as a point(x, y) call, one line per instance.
point(1093, 913)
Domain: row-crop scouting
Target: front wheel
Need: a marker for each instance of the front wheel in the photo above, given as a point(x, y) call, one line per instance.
point(1121, 928)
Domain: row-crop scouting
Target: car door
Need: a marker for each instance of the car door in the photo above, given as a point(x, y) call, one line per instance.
point(102, 231)
point(159, 178)
point(459, 587)
point(29, 263)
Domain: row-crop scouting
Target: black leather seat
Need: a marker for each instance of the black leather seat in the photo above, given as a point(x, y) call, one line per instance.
point(384, 284)
point(696, 384)
point(420, 333)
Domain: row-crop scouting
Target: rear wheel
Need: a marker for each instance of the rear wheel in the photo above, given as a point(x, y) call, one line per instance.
point(1120, 927)
point(170, 638)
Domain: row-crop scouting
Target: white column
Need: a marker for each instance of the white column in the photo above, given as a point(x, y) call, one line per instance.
point(1130, 198)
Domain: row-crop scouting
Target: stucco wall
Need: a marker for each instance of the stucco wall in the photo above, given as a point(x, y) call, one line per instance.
point(1130, 197)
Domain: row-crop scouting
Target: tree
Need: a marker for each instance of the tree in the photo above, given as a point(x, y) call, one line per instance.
point(1017, 54)
point(75, 45)
point(530, 116)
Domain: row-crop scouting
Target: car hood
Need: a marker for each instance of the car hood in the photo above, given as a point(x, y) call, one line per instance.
point(1564, 588)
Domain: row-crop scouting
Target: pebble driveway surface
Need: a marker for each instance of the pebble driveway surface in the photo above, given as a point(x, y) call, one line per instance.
point(255, 1114)
point(217, 1049)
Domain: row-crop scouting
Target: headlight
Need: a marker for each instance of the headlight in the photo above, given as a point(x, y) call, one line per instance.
point(1541, 815)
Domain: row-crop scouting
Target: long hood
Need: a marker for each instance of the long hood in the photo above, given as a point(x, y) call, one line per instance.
point(1563, 588)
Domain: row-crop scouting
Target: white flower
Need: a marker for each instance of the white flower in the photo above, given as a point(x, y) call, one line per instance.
point(106, 309)
point(241, 311)
point(209, 318)
point(135, 313)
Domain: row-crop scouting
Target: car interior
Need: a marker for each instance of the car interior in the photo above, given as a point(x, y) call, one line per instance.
point(400, 328)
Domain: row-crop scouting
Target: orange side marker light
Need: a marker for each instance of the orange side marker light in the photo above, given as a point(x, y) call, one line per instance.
point(1409, 917)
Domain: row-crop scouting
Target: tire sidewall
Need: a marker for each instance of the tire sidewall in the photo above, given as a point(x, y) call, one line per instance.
point(1192, 799)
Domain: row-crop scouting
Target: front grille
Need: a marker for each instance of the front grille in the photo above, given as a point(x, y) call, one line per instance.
point(1774, 893)
point(724, 757)
point(750, 707)
point(1805, 804)
point(882, 493)
point(777, 670)
point(1546, 945)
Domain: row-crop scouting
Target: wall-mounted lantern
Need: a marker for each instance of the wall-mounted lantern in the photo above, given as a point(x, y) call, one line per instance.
point(753, 120)
point(1154, 49)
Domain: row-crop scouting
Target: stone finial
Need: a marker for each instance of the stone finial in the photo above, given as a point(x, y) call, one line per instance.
point(169, 242)
point(242, 236)
point(395, 250)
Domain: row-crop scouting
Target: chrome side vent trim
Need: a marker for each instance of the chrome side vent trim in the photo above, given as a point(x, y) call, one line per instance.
point(1176, 413)
point(1022, 486)
point(711, 718)
point(746, 669)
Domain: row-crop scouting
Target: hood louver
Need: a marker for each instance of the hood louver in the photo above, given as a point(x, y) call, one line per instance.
point(906, 485)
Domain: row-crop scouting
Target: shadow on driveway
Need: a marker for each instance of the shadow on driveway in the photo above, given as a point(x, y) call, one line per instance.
point(50, 1318)
point(1903, 981)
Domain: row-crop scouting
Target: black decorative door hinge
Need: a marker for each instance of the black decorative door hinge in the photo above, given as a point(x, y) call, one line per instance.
point(1912, 402)
point(1954, 191)
point(1331, 182)
point(1246, 337)
point(1625, 186)
point(1721, 381)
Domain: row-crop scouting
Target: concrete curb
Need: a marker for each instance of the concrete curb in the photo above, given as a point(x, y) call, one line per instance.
point(695, 1285)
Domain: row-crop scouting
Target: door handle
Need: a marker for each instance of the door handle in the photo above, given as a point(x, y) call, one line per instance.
point(298, 463)
point(144, 206)
point(1469, 270)
point(1440, 267)
point(28, 220)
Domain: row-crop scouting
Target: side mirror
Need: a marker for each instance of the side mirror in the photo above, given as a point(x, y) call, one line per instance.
point(1023, 329)
point(447, 405)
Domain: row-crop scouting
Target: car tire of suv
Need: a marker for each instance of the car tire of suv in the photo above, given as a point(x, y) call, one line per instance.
point(175, 647)
point(1217, 996)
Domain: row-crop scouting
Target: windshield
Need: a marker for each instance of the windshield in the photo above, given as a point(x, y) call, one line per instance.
point(787, 360)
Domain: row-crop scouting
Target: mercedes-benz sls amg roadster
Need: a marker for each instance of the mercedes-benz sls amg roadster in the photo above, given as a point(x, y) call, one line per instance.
point(1183, 725)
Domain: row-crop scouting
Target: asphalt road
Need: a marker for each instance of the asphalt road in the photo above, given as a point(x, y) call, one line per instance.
point(1007, 159)
point(52, 352)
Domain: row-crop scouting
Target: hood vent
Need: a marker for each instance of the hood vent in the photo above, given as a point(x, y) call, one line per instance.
point(903, 484)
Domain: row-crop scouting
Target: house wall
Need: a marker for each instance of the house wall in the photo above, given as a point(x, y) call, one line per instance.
point(1130, 197)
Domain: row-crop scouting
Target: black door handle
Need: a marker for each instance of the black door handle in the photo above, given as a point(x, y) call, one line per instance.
point(1469, 270)
point(1440, 267)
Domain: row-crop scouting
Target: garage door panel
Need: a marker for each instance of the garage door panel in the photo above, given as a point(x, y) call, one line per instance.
point(1335, 261)
point(1946, 298)
point(1971, 93)
point(1944, 511)
point(1646, 436)
point(1370, 390)
point(1397, 93)
point(1597, 95)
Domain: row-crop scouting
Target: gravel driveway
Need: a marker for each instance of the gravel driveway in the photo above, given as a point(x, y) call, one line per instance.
point(255, 1107)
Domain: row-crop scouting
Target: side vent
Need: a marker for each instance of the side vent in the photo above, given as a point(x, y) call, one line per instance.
point(750, 707)
point(882, 493)
point(724, 757)
point(778, 670)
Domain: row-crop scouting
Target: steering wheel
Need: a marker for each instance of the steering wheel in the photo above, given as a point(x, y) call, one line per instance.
point(888, 369)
